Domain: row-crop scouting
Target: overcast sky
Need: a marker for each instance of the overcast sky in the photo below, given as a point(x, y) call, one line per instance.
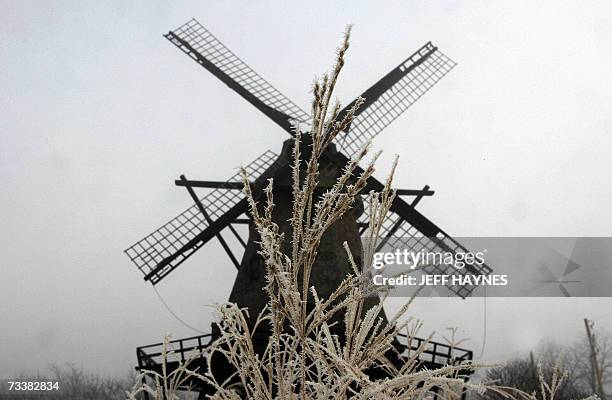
point(100, 114)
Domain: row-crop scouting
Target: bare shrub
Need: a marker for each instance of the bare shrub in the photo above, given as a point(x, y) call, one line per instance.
point(74, 383)
point(527, 374)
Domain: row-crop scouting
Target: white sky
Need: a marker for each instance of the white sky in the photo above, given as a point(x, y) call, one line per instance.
point(100, 114)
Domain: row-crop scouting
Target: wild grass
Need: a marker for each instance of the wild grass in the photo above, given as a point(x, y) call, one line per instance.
point(305, 357)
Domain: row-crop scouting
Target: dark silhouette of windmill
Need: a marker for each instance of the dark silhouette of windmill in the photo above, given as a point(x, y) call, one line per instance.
point(223, 208)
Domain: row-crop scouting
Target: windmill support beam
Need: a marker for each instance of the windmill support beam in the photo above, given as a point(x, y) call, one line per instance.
point(415, 192)
point(237, 235)
point(210, 184)
point(224, 244)
point(423, 192)
point(419, 193)
point(362, 228)
point(189, 184)
point(239, 185)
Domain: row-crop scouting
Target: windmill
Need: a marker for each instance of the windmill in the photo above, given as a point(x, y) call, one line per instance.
point(224, 207)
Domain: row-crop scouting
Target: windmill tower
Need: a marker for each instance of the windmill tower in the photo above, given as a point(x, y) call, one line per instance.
point(218, 212)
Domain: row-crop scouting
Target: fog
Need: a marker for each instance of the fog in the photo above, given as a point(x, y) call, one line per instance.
point(100, 114)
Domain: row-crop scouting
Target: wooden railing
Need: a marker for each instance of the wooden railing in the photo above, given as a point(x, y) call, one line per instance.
point(437, 354)
point(181, 350)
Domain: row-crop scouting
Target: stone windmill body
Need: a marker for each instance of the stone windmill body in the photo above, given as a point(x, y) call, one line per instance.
point(224, 207)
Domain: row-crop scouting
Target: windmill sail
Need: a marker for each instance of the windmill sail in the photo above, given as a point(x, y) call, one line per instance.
point(160, 252)
point(406, 222)
point(394, 94)
point(397, 232)
point(201, 45)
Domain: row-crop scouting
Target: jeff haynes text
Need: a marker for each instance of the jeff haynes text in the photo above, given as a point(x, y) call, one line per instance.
point(435, 280)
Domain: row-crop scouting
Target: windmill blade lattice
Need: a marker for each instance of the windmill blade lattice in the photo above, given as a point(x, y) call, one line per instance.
point(395, 93)
point(396, 232)
point(201, 45)
point(170, 240)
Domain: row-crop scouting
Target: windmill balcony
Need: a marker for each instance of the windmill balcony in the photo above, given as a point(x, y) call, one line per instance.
point(192, 350)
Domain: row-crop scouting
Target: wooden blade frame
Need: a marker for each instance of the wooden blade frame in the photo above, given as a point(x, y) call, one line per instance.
point(393, 94)
point(202, 46)
point(159, 253)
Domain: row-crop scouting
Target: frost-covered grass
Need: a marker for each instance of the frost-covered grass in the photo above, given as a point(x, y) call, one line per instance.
point(304, 357)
